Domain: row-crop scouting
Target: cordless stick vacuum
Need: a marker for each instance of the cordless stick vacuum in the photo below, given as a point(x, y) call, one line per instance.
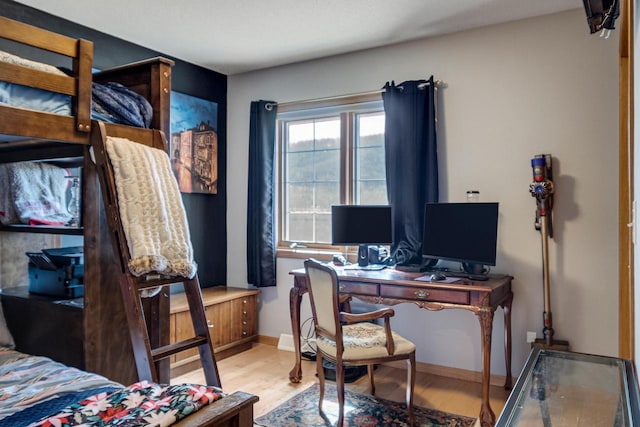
point(542, 189)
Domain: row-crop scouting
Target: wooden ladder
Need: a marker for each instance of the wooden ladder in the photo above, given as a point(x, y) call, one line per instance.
point(147, 359)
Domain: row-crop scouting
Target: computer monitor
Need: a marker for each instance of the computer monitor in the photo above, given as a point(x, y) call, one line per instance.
point(361, 225)
point(465, 232)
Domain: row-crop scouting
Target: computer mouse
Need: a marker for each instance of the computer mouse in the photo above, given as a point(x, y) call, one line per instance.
point(437, 277)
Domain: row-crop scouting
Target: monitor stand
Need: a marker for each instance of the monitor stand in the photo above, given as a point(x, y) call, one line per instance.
point(475, 277)
point(474, 268)
point(412, 268)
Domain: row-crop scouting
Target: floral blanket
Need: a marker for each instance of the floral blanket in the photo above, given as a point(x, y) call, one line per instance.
point(141, 404)
point(36, 391)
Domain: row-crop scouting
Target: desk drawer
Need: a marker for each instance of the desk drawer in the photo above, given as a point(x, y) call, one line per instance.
point(426, 294)
point(358, 288)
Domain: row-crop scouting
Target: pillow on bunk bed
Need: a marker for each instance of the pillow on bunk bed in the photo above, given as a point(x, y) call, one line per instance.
point(29, 97)
point(17, 60)
point(115, 103)
point(111, 102)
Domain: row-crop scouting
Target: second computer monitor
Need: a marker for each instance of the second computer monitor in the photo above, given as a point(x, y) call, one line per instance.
point(465, 232)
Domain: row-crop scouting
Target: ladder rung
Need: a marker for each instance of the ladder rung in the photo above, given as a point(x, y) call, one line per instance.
point(171, 349)
point(141, 283)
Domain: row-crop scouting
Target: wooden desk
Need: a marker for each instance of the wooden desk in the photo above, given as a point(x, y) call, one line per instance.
point(391, 287)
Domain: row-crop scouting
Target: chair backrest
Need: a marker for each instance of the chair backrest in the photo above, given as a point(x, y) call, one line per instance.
point(322, 283)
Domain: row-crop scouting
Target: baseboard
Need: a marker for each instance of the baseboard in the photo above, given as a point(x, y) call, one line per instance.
point(263, 339)
point(449, 372)
point(286, 342)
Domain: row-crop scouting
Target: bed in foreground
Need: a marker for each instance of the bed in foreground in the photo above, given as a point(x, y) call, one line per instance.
point(36, 391)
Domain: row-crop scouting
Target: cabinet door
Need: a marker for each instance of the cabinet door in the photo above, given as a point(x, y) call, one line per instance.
point(183, 330)
point(243, 315)
point(218, 319)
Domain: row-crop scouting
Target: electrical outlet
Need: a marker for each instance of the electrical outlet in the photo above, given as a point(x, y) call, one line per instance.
point(531, 336)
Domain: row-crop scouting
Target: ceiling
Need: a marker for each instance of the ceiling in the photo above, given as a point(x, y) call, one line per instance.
point(234, 36)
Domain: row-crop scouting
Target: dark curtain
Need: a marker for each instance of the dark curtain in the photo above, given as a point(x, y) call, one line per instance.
point(411, 162)
point(261, 232)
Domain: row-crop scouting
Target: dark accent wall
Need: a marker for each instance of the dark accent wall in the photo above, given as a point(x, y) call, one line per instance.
point(206, 213)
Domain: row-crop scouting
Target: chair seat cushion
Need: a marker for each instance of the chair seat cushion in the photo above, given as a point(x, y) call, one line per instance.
point(365, 341)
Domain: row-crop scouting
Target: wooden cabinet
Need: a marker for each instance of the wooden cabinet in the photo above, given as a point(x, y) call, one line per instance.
point(232, 319)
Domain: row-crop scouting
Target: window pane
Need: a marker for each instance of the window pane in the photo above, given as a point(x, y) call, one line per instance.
point(327, 165)
point(370, 163)
point(300, 166)
point(372, 193)
point(300, 135)
point(300, 227)
point(327, 133)
point(371, 130)
point(312, 178)
point(308, 227)
point(370, 175)
point(323, 228)
point(300, 197)
point(327, 194)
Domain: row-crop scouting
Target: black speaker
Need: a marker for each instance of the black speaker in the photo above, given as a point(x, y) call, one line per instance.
point(363, 255)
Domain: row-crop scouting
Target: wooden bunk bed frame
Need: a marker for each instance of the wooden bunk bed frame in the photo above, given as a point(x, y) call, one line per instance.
point(34, 135)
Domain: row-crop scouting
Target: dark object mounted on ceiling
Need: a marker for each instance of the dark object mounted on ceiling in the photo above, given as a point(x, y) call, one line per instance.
point(601, 14)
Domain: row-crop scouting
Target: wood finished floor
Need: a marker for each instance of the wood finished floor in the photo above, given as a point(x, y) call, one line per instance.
point(264, 371)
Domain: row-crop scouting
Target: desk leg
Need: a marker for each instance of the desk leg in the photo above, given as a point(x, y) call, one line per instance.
point(295, 297)
point(487, 416)
point(506, 306)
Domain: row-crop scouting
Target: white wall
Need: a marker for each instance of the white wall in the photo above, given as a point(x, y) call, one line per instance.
point(511, 91)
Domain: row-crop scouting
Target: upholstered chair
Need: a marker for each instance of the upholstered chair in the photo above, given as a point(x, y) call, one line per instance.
point(347, 339)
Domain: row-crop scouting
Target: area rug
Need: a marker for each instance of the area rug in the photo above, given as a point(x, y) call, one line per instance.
point(359, 410)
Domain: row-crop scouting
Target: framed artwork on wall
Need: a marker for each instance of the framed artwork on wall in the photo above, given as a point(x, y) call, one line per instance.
point(194, 143)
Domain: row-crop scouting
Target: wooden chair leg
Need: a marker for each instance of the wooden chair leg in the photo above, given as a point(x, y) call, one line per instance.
point(411, 382)
point(372, 384)
point(320, 370)
point(340, 390)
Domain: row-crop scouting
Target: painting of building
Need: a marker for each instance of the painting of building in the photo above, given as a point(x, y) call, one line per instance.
point(194, 143)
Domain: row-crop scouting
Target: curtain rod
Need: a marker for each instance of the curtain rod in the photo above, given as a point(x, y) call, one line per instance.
point(269, 106)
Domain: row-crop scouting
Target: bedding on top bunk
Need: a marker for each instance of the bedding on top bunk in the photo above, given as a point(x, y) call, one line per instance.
point(36, 391)
point(34, 193)
point(111, 102)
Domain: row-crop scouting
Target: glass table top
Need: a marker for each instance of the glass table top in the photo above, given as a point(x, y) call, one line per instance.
point(559, 388)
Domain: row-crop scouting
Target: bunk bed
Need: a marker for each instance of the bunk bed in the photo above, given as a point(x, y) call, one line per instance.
point(29, 134)
point(68, 396)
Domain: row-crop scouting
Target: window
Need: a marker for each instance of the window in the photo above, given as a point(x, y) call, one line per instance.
point(331, 154)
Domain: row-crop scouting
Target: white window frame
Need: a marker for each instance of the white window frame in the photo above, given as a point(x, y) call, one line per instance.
point(348, 108)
